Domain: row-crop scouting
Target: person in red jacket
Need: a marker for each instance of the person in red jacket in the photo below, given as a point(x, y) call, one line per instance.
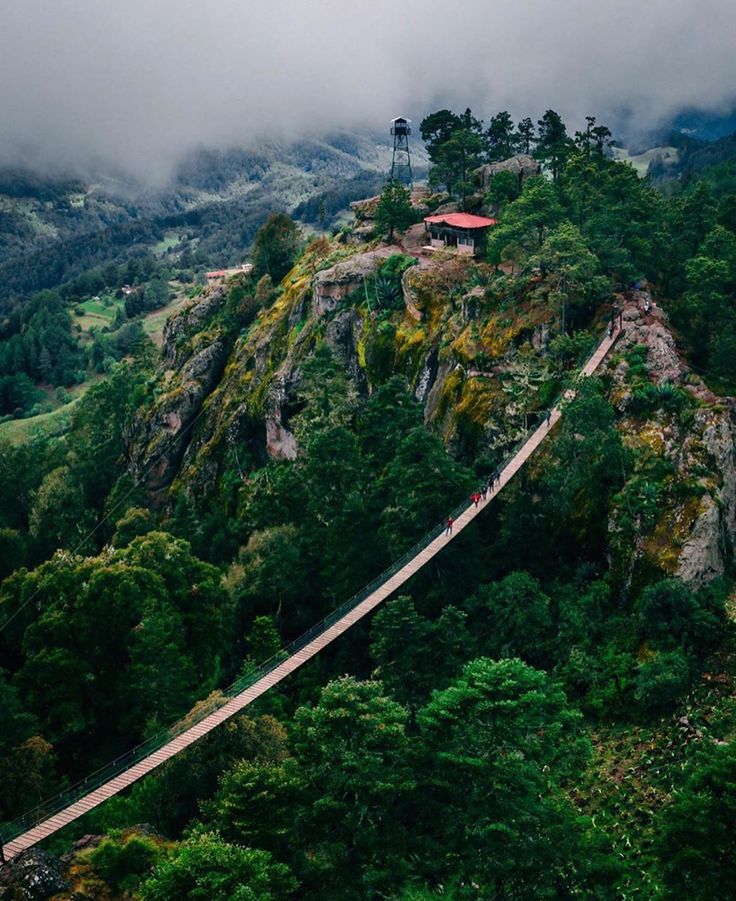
point(475, 498)
point(450, 521)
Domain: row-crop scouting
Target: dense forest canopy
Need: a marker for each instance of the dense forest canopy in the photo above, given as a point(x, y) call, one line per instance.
point(542, 713)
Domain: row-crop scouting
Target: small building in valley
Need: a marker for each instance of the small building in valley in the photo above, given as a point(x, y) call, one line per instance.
point(462, 231)
point(219, 275)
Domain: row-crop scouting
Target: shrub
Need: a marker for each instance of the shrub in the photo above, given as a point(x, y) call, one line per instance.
point(122, 863)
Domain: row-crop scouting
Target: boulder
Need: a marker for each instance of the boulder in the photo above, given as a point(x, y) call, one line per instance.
point(32, 876)
point(449, 207)
point(152, 445)
point(334, 284)
point(280, 441)
point(521, 165)
point(365, 209)
point(192, 318)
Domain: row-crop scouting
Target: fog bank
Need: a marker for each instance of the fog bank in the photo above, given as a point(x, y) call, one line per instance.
point(136, 85)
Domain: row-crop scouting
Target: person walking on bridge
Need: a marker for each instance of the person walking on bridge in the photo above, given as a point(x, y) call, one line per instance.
point(450, 522)
point(484, 490)
point(548, 417)
point(475, 498)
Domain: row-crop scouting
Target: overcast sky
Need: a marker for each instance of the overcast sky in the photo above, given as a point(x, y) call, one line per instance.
point(139, 83)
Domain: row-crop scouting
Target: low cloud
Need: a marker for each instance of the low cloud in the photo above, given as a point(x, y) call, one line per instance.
point(134, 86)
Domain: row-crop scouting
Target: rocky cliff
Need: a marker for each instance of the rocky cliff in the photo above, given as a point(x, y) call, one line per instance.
point(227, 391)
point(696, 519)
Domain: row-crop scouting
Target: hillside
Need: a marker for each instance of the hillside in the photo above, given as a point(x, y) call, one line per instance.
point(53, 228)
point(544, 710)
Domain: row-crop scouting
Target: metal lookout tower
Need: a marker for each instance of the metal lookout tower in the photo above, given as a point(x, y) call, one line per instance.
point(401, 159)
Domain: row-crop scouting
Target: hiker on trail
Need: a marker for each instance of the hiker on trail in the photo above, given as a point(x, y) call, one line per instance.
point(647, 305)
point(610, 330)
point(475, 498)
point(548, 417)
point(484, 490)
point(450, 521)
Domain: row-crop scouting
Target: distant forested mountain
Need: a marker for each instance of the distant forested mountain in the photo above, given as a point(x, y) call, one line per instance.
point(55, 227)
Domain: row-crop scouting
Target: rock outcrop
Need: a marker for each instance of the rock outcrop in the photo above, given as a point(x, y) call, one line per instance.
point(708, 549)
point(646, 324)
point(34, 875)
point(704, 550)
point(193, 361)
point(521, 165)
point(332, 285)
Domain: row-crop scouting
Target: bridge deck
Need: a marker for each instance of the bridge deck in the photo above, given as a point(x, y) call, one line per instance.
point(87, 801)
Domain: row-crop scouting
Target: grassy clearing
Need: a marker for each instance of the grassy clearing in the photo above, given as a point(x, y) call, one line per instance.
point(45, 425)
point(170, 239)
point(97, 312)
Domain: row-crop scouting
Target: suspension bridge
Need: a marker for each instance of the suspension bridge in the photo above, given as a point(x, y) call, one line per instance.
point(56, 813)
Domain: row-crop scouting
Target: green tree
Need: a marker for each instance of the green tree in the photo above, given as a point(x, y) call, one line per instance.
point(500, 140)
point(672, 615)
point(575, 270)
point(352, 750)
point(526, 222)
point(421, 485)
point(385, 418)
point(595, 140)
point(514, 618)
point(695, 834)
point(204, 866)
point(437, 128)
point(499, 739)
point(60, 516)
point(414, 654)
point(256, 804)
point(124, 861)
point(263, 639)
point(589, 467)
point(394, 211)
point(661, 680)
point(553, 144)
point(503, 188)
point(454, 161)
point(525, 376)
point(328, 397)
point(276, 246)
point(525, 136)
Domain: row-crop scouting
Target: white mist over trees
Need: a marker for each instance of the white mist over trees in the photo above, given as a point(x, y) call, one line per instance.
point(136, 85)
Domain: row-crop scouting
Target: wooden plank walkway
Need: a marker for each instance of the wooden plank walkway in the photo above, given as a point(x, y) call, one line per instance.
point(93, 798)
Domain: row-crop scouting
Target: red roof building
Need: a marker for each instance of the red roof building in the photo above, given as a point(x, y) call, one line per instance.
point(463, 231)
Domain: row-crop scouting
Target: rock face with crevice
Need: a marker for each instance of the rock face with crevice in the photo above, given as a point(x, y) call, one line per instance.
point(709, 547)
point(193, 359)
